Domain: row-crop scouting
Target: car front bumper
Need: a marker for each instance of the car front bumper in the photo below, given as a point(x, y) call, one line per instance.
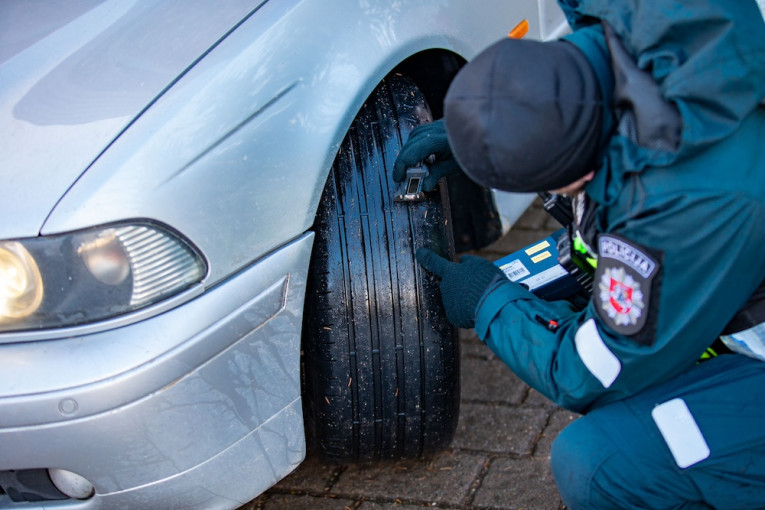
point(198, 407)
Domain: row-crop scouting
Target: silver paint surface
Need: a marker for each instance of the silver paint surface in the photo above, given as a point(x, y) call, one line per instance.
point(221, 120)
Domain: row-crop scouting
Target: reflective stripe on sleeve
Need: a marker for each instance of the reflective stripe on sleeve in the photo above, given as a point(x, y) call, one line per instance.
point(595, 354)
point(680, 432)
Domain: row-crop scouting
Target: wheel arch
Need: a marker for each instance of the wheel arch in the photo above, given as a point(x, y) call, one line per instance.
point(432, 69)
point(476, 221)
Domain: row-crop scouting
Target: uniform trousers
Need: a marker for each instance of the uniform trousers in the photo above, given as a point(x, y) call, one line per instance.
point(694, 442)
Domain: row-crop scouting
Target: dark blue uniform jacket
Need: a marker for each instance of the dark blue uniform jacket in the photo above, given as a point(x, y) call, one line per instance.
point(680, 197)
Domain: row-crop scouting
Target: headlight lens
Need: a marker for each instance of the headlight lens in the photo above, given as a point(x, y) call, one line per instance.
point(21, 287)
point(83, 277)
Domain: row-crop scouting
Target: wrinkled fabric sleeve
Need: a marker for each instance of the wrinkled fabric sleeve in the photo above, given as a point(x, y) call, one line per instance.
point(514, 324)
point(574, 364)
point(581, 363)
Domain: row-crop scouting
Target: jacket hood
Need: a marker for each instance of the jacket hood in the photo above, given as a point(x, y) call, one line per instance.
point(526, 116)
point(707, 58)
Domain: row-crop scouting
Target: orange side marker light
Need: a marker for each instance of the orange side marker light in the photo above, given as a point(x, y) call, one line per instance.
point(520, 30)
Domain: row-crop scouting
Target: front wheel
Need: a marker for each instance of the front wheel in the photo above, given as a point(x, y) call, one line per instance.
point(380, 360)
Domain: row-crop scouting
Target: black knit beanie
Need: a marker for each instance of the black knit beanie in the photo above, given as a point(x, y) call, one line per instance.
point(525, 116)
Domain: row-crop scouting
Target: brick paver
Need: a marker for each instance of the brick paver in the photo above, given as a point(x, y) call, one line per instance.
point(499, 458)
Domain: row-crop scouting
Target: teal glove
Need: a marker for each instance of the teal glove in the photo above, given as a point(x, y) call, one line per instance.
point(423, 141)
point(462, 284)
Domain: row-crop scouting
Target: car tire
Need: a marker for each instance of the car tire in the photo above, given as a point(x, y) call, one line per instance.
point(380, 359)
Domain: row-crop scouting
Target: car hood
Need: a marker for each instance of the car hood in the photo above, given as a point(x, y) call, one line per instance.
point(74, 75)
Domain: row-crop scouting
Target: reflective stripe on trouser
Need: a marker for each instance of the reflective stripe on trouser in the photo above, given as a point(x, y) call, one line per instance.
point(648, 451)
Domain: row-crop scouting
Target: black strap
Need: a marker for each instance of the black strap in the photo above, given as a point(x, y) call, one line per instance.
point(558, 206)
point(751, 314)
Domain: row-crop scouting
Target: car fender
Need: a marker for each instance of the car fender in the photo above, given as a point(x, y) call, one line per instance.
point(235, 154)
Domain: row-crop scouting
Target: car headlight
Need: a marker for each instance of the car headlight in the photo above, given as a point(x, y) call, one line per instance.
point(82, 277)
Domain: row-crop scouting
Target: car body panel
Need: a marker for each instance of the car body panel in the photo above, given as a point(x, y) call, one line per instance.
point(193, 332)
point(226, 136)
point(235, 121)
point(192, 383)
point(66, 96)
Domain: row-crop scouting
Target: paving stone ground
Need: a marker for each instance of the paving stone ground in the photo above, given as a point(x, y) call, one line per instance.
point(499, 458)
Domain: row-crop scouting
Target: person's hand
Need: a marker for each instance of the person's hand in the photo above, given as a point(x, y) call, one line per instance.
point(424, 141)
point(462, 284)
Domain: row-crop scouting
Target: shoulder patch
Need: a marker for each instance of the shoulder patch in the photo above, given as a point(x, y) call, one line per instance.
point(627, 286)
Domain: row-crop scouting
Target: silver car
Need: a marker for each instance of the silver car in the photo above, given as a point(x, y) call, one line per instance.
point(201, 243)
